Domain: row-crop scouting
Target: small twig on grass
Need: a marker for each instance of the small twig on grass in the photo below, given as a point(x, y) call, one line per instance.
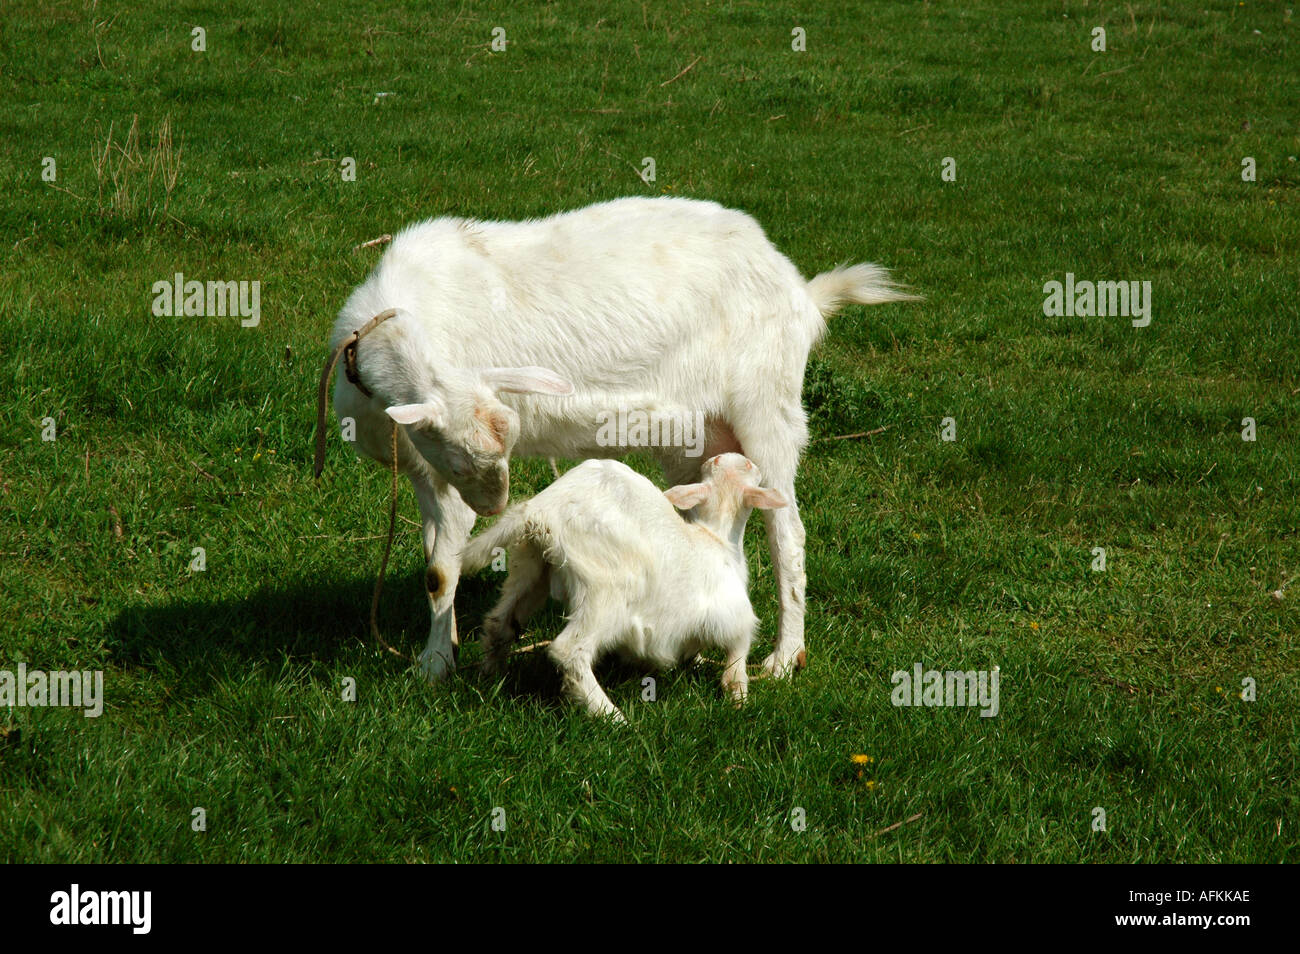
point(382, 240)
point(846, 437)
point(1110, 680)
point(690, 66)
point(897, 825)
point(204, 472)
point(1215, 558)
point(69, 192)
point(531, 647)
point(634, 166)
point(117, 521)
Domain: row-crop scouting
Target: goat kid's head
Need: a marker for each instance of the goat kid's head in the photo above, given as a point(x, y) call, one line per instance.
point(729, 490)
point(466, 433)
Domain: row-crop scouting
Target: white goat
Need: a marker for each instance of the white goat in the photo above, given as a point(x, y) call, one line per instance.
point(665, 305)
point(634, 576)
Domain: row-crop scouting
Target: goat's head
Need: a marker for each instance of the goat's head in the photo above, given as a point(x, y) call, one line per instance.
point(466, 433)
point(729, 489)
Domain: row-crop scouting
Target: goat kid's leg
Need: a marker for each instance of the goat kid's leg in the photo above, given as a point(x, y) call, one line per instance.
point(573, 651)
point(447, 522)
point(522, 595)
point(735, 679)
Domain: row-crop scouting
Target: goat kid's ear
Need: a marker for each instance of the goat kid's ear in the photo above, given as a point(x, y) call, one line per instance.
point(525, 381)
point(764, 498)
point(416, 414)
point(686, 496)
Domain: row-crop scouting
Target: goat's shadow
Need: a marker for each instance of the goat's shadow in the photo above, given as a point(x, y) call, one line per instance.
point(313, 622)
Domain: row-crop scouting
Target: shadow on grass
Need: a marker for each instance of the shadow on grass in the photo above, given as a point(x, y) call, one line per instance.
point(314, 624)
point(307, 622)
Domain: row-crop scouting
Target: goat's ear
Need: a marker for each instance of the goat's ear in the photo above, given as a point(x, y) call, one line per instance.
point(525, 381)
point(416, 414)
point(764, 498)
point(686, 496)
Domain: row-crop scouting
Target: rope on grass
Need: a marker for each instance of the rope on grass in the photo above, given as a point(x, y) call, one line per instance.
point(347, 349)
point(388, 549)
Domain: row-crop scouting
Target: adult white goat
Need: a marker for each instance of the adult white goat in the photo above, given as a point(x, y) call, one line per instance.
point(666, 305)
point(634, 576)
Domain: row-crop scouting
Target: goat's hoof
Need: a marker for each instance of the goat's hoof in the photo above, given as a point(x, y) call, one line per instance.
point(435, 667)
point(782, 667)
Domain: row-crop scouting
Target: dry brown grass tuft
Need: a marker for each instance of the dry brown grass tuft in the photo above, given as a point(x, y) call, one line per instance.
point(131, 181)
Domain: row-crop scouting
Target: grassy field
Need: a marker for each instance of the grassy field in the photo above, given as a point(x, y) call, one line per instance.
point(1120, 689)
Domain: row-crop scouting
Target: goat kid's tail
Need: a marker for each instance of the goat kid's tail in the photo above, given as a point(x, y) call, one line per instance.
point(862, 284)
point(504, 534)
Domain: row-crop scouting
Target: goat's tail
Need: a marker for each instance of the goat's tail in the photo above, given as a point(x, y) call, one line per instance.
point(478, 553)
point(863, 284)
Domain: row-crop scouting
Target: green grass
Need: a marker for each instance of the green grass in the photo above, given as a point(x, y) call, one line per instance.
point(1119, 689)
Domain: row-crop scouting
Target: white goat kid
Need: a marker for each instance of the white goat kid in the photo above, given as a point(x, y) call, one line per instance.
point(662, 305)
point(634, 576)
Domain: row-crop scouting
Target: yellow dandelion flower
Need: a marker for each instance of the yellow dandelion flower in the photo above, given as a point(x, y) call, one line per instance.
point(1033, 625)
point(861, 759)
point(870, 786)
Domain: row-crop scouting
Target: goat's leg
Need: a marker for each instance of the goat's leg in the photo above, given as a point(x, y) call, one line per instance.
point(447, 522)
point(775, 446)
point(786, 540)
point(573, 651)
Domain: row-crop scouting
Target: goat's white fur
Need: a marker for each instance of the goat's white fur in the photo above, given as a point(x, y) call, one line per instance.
point(668, 305)
point(634, 576)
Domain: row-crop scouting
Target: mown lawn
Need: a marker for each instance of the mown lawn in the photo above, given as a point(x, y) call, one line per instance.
point(1120, 689)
